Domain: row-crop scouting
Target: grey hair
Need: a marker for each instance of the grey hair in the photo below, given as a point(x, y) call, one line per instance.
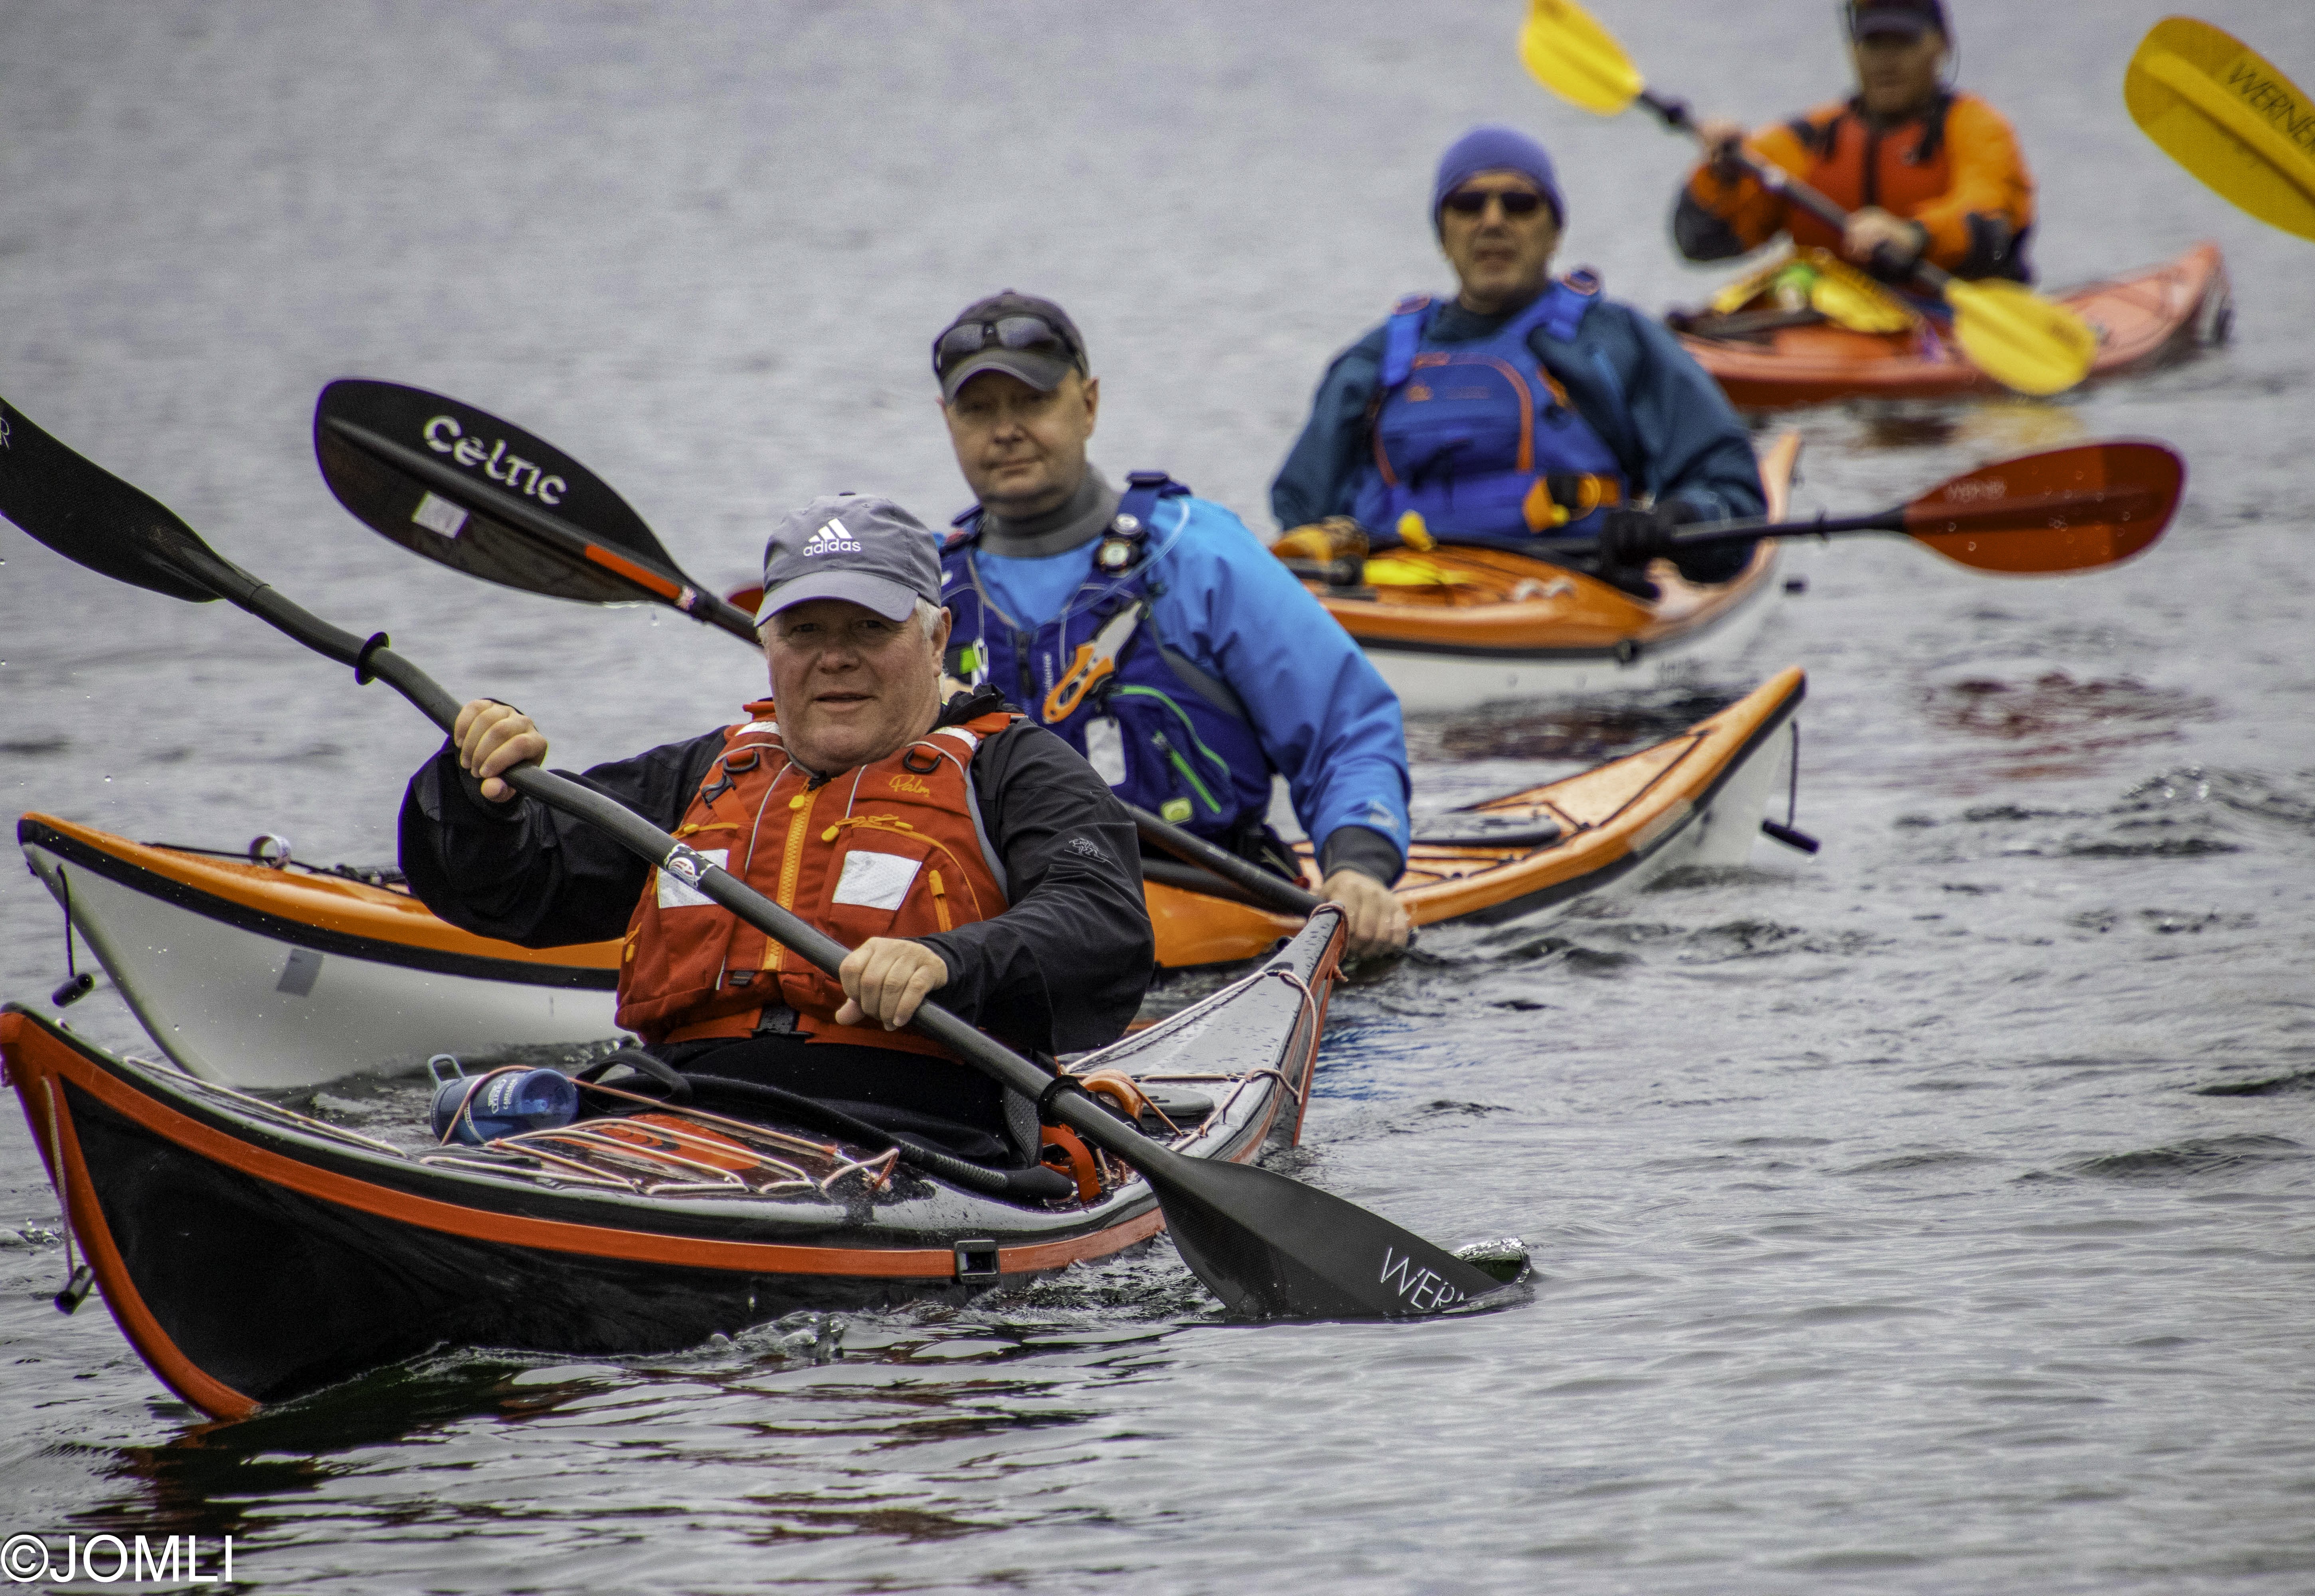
point(928, 615)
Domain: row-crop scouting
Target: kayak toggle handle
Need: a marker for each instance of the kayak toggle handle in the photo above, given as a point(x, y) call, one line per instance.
point(77, 1289)
point(1790, 835)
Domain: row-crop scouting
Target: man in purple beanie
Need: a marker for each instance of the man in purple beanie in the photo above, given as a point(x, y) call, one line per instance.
point(1567, 414)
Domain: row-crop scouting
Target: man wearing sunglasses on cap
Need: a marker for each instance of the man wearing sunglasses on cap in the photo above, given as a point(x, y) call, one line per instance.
point(1523, 409)
point(1152, 632)
point(1925, 173)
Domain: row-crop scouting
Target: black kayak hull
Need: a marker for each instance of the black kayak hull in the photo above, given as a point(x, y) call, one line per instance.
point(252, 1256)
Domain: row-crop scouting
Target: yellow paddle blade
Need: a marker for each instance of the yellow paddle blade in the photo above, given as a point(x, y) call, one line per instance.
point(2019, 338)
point(1577, 58)
point(2221, 112)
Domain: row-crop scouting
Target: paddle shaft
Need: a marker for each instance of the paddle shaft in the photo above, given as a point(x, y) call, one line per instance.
point(1674, 114)
point(1275, 892)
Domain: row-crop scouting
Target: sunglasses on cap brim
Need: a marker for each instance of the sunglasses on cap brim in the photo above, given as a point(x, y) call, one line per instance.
point(1517, 202)
point(1029, 334)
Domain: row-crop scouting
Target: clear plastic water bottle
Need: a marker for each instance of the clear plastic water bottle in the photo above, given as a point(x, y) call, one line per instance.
point(504, 1103)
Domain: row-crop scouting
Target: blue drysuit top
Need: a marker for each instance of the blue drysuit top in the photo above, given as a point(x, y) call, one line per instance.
point(1323, 716)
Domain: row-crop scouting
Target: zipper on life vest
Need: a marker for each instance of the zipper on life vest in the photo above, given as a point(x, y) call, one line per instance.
point(792, 863)
point(1189, 729)
point(1174, 756)
point(940, 900)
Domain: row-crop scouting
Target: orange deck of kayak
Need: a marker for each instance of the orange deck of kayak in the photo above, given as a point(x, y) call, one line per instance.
point(1609, 814)
point(2140, 318)
point(1495, 602)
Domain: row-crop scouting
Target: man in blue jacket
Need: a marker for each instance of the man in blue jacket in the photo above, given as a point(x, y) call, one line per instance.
point(1152, 632)
point(1523, 409)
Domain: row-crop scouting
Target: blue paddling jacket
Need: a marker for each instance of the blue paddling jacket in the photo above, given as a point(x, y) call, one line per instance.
point(1669, 432)
point(1188, 665)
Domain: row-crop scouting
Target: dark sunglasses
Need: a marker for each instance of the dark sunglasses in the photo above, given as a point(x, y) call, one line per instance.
point(1005, 331)
point(1517, 202)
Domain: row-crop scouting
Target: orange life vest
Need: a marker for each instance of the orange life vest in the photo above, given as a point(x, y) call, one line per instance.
point(1900, 168)
point(893, 848)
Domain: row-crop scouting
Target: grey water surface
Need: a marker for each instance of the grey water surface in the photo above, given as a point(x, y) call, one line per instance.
point(1933, 1215)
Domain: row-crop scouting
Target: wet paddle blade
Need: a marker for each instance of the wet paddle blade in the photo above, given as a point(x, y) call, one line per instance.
point(2066, 510)
point(2019, 338)
point(1271, 1247)
point(464, 488)
point(93, 519)
point(1577, 58)
point(2219, 110)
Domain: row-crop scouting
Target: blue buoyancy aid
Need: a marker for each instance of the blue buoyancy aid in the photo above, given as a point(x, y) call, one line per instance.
point(1164, 733)
point(1480, 440)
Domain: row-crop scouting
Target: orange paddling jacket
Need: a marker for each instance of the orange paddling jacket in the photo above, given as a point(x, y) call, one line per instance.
point(1954, 169)
point(893, 848)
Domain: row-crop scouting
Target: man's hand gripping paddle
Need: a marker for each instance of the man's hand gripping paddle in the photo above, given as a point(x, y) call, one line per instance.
point(1265, 1244)
point(2011, 334)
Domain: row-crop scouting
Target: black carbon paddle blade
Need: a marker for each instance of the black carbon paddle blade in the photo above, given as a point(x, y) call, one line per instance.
point(1271, 1247)
point(460, 486)
point(474, 493)
point(93, 519)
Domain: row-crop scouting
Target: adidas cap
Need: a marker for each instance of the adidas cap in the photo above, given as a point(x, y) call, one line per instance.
point(852, 546)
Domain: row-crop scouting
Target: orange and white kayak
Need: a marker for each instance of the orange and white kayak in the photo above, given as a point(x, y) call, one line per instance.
point(1764, 358)
point(1451, 627)
point(277, 975)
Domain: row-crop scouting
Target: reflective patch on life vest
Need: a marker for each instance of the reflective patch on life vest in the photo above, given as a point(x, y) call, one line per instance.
point(678, 894)
point(875, 881)
point(1106, 749)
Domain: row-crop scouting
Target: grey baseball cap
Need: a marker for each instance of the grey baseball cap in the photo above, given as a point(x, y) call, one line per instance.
point(853, 546)
point(1016, 334)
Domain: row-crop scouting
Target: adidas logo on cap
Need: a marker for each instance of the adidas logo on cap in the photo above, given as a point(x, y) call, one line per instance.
point(831, 539)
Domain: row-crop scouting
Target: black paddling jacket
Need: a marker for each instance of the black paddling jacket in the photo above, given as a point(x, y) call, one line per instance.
point(1061, 969)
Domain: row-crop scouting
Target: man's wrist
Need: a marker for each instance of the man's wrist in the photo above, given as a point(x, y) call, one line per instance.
point(1365, 849)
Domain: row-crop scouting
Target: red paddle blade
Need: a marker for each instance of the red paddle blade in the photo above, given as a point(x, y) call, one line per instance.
point(2066, 510)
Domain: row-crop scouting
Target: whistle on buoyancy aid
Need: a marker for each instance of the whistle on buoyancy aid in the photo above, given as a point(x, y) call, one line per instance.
point(1096, 661)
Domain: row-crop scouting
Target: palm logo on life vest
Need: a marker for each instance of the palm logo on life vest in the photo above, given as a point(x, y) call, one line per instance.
point(1161, 731)
point(892, 848)
point(1477, 438)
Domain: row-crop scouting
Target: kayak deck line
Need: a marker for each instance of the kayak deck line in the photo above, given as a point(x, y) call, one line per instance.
point(329, 913)
point(2143, 318)
point(251, 1252)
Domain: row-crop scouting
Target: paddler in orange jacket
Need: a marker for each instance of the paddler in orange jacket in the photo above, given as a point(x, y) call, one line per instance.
point(959, 849)
point(1925, 171)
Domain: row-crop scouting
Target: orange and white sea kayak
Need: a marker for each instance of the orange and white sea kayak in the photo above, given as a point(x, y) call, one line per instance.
point(1455, 626)
point(259, 975)
point(2142, 318)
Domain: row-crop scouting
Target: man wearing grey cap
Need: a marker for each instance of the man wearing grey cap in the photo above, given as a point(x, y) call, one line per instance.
point(956, 847)
point(1153, 632)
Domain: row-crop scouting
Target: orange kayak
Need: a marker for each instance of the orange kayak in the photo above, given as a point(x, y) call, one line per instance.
point(263, 976)
point(2142, 318)
point(1454, 627)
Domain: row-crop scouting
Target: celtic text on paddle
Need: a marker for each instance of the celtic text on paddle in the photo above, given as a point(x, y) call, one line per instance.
point(2276, 102)
point(444, 436)
point(108, 1559)
point(1419, 1288)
